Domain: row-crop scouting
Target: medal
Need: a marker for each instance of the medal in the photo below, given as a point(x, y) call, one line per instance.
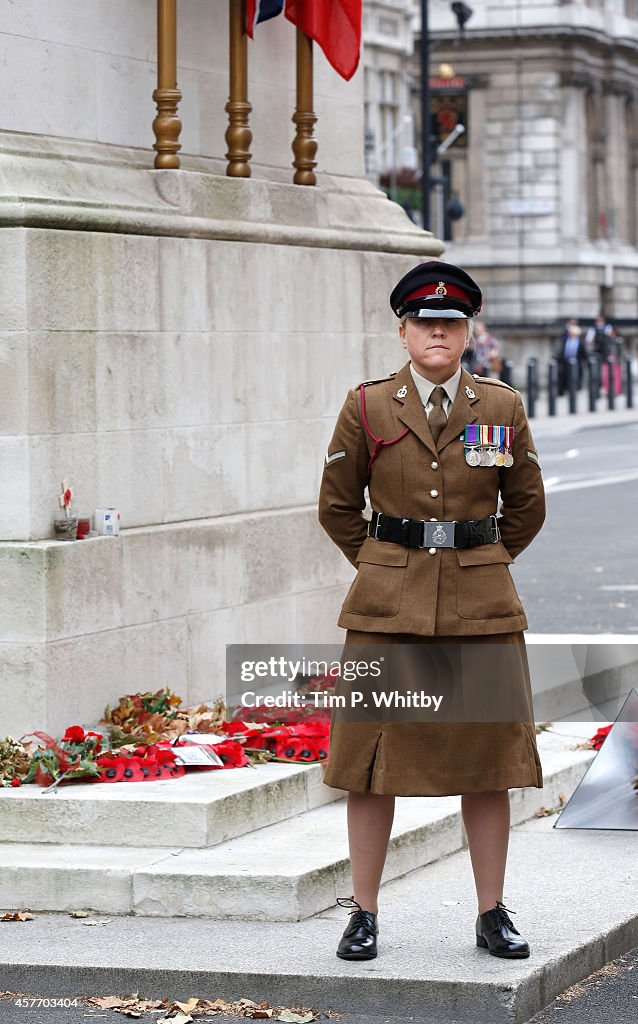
point(509, 442)
point(500, 459)
point(470, 439)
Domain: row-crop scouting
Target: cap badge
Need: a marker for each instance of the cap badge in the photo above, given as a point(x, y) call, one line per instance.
point(440, 288)
point(469, 392)
point(402, 392)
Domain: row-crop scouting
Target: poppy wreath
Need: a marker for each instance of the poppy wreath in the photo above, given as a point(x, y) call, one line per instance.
point(301, 741)
point(230, 752)
point(74, 757)
point(79, 755)
point(144, 764)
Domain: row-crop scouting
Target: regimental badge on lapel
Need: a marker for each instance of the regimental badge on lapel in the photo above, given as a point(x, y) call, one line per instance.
point(469, 392)
point(402, 392)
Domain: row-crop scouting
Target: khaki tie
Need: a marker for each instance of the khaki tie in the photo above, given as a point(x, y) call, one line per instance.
point(437, 418)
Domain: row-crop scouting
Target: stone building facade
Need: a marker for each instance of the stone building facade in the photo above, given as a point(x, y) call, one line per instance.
point(549, 172)
point(389, 86)
point(176, 343)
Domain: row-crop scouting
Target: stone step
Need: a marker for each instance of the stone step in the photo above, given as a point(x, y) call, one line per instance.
point(572, 891)
point(286, 871)
point(200, 809)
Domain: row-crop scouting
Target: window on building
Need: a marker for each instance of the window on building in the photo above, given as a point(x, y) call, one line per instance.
point(389, 118)
point(631, 127)
point(595, 167)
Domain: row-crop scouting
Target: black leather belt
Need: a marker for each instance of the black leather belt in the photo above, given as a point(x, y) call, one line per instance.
point(424, 533)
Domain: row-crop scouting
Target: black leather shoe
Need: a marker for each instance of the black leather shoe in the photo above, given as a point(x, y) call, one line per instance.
point(359, 940)
point(495, 931)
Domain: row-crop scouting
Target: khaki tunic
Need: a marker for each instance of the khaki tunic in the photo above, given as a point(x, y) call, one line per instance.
point(409, 595)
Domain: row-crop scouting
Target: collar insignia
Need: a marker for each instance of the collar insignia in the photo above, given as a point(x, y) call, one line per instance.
point(469, 392)
point(402, 392)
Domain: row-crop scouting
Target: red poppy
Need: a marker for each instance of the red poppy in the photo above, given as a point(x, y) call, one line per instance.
point(600, 737)
point(15, 782)
point(111, 768)
point(231, 753)
point(297, 749)
point(314, 730)
point(231, 728)
point(132, 770)
point(74, 734)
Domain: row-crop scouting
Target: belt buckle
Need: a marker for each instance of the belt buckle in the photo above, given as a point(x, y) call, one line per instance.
point(495, 530)
point(376, 526)
point(439, 537)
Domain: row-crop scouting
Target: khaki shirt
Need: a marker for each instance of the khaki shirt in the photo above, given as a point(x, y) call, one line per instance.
point(408, 590)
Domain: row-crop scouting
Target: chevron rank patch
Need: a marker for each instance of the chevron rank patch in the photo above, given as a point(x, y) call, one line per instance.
point(534, 457)
point(334, 457)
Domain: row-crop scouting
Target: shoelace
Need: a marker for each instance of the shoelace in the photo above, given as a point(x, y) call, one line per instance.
point(359, 913)
point(504, 915)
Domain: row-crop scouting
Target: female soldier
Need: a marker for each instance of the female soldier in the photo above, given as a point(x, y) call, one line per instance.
point(435, 446)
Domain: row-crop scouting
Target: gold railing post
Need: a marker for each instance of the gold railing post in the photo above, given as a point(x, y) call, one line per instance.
point(304, 145)
point(238, 134)
point(167, 124)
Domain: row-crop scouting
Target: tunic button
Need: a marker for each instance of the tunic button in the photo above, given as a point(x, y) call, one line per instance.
point(434, 494)
point(431, 551)
point(434, 465)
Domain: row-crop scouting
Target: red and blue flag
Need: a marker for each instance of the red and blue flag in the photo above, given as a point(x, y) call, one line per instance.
point(261, 10)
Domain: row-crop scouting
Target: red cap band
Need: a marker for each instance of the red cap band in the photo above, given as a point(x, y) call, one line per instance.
point(429, 291)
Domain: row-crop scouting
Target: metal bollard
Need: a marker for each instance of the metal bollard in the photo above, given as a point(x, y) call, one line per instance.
point(552, 386)
point(593, 381)
point(572, 372)
point(532, 384)
point(611, 384)
point(507, 373)
point(629, 383)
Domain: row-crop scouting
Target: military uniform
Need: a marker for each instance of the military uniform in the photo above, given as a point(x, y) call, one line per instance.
point(382, 440)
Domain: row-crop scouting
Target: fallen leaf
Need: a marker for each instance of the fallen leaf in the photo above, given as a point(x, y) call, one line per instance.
point(105, 1002)
point(97, 924)
point(295, 1018)
point(259, 1013)
point(179, 1018)
point(18, 915)
point(188, 1006)
point(79, 913)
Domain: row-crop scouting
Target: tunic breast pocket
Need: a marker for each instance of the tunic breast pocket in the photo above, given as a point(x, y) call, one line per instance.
point(378, 584)
point(484, 587)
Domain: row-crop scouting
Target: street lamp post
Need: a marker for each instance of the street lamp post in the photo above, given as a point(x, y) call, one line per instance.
point(425, 116)
point(463, 14)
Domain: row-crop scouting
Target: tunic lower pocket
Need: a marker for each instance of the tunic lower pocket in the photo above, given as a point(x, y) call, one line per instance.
point(378, 585)
point(484, 587)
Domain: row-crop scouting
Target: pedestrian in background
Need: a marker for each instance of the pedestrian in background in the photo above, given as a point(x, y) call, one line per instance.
point(601, 341)
point(486, 357)
point(572, 347)
point(435, 447)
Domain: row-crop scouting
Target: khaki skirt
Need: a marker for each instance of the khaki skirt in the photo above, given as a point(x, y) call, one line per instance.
point(484, 740)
